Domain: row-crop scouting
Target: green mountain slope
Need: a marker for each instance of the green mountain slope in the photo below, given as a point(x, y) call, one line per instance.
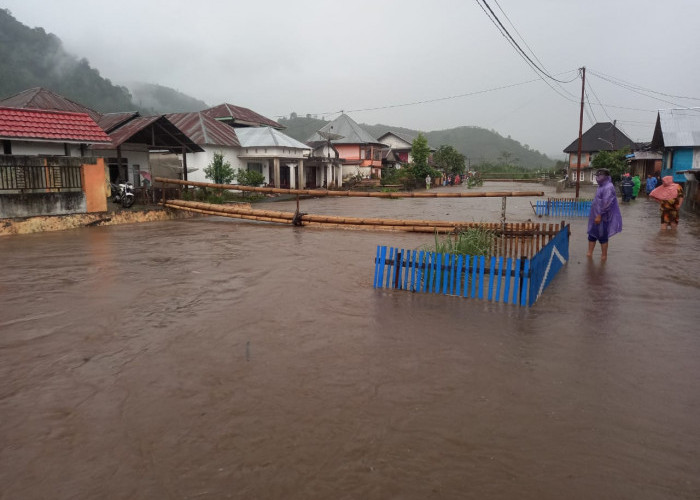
point(30, 57)
point(163, 100)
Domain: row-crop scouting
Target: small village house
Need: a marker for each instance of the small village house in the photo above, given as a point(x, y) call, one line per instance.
point(43, 167)
point(603, 136)
point(263, 148)
point(677, 136)
point(358, 152)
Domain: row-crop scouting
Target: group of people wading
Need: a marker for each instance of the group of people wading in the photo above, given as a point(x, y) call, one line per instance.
point(605, 219)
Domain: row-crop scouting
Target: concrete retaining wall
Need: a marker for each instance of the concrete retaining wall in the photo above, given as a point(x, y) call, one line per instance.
point(32, 204)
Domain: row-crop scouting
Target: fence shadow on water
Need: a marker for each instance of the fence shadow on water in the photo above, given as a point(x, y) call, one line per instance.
point(511, 280)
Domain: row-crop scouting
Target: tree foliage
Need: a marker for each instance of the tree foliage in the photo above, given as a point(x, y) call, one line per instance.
point(249, 177)
point(420, 153)
point(449, 161)
point(219, 170)
point(614, 161)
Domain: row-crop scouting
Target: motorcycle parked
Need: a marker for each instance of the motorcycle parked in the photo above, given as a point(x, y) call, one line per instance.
point(124, 194)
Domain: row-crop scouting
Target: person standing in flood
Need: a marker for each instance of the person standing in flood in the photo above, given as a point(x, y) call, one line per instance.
point(650, 185)
point(605, 219)
point(670, 197)
point(626, 185)
point(637, 185)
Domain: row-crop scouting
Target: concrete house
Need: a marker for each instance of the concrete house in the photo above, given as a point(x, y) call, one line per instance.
point(265, 149)
point(359, 152)
point(604, 136)
point(43, 166)
point(399, 148)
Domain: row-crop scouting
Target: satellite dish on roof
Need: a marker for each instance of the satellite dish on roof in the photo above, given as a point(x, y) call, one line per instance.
point(330, 136)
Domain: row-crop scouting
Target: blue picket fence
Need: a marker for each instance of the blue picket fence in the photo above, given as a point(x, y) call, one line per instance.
point(563, 207)
point(497, 279)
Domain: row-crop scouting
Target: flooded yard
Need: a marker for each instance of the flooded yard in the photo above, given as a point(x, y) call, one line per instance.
point(212, 358)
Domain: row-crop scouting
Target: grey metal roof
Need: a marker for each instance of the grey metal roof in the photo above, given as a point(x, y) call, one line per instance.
point(601, 137)
point(41, 98)
point(404, 137)
point(266, 137)
point(204, 130)
point(677, 128)
point(239, 116)
point(346, 127)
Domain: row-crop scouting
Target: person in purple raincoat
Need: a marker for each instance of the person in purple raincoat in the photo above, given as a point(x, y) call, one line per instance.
point(605, 219)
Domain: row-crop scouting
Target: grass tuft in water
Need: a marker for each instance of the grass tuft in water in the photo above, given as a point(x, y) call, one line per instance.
point(472, 241)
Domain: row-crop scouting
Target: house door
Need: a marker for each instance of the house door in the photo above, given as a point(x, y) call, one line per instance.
point(310, 177)
point(284, 177)
point(118, 172)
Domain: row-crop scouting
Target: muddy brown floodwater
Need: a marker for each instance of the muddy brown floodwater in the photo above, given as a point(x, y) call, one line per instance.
point(212, 358)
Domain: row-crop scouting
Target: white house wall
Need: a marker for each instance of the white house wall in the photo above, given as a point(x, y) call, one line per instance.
point(136, 155)
point(200, 161)
point(394, 142)
point(31, 148)
point(352, 170)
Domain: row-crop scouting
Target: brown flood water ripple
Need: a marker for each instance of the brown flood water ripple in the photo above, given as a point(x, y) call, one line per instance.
point(212, 358)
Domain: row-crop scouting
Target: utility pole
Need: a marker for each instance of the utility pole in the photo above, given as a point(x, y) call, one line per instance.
point(580, 130)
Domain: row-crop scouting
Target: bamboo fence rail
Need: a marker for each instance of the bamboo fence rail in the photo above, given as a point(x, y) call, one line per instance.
point(519, 239)
point(365, 194)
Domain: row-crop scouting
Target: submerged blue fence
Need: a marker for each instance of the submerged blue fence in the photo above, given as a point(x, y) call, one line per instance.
point(564, 207)
point(507, 280)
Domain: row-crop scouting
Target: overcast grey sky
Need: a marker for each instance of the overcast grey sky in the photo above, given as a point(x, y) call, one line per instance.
point(320, 57)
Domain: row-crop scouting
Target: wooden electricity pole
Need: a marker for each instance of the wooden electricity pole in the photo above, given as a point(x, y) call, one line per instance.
point(580, 130)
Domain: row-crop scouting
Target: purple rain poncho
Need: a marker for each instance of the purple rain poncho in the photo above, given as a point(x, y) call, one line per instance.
point(605, 205)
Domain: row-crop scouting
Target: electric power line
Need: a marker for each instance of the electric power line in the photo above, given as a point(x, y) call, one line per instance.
point(629, 85)
point(506, 34)
point(426, 101)
point(636, 91)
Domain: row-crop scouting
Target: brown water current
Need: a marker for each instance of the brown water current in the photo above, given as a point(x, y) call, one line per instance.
point(213, 358)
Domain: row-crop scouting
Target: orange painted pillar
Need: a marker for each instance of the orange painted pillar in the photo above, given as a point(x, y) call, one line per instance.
point(94, 186)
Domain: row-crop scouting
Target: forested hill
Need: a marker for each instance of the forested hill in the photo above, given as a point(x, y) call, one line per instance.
point(477, 144)
point(163, 99)
point(31, 57)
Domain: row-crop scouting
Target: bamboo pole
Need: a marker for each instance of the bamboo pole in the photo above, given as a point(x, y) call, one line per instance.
point(366, 194)
point(511, 240)
point(451, 225)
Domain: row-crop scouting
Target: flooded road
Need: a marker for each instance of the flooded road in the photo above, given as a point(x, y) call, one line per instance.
point(212, 358)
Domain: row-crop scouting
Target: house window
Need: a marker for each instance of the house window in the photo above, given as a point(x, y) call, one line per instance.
point(573, 175)
point(6, 147)
point(257, 167)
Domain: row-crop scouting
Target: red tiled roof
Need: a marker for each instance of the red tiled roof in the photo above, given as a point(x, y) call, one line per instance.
point(34, 124)
point(240, 116)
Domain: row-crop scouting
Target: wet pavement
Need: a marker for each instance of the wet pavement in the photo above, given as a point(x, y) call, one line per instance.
point(213, 358)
